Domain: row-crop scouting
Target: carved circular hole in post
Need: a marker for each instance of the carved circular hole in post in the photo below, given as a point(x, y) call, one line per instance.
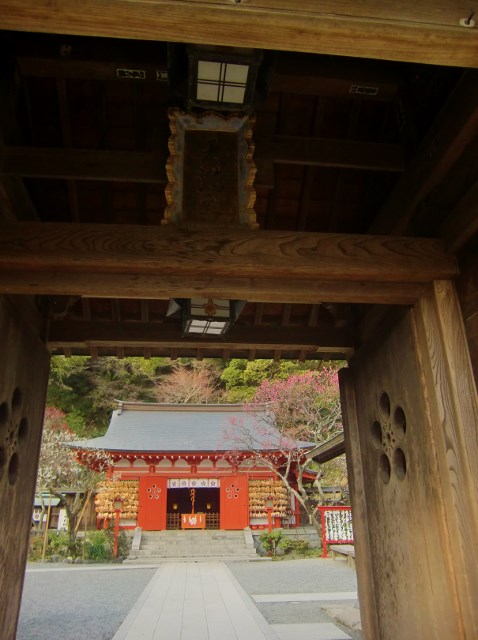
point(16, 400)
point(399, 464)
point(384, 468)
point(385, 405)
point(23, 429)
point(13, 467)
point(4, 413)
point(399, 423)
point(376, 434)
point(3, 460)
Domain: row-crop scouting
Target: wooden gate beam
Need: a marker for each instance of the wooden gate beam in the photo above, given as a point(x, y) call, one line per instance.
point(409, 31)
point(162, 262)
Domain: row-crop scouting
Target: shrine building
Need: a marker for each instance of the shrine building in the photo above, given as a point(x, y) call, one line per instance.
point(175, 467)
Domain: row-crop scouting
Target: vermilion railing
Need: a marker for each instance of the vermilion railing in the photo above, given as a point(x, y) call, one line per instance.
point(336, 526)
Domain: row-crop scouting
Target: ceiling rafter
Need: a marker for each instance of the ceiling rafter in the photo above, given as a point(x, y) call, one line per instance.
point(148, 166)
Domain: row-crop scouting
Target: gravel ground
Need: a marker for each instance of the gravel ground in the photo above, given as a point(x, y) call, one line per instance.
point(90, 602)
point(78, 603)
point(315, 575)
point(295, 576)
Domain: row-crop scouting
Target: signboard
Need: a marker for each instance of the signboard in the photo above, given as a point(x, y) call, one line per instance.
point(193, 521)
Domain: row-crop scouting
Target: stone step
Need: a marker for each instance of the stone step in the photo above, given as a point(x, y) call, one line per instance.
point(157, 560)
point(192, 554)
point(156, 547)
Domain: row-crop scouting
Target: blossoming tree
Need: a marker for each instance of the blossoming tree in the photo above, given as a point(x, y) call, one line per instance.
point(303, 411)
point(60, 472)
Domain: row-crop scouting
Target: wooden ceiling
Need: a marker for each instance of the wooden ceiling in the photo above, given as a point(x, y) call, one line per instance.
point(366, 183)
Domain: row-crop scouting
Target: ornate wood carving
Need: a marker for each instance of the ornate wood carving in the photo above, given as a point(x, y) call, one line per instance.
point(210, 170)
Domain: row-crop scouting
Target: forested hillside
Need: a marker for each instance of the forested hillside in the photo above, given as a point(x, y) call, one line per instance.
point(85, 388)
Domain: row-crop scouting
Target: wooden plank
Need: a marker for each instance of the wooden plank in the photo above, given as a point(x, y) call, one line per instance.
point(448, 137)
point(79, 334)
point(96, 248)
point(410, 31)
point(139, 285)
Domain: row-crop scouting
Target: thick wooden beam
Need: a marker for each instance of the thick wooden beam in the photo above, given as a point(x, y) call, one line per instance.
point(151, 262)
point(70, 334)
point(335, 77)
point(293, 73)
point(139, 285)
point(84, 164)
point(149, 166)
point(448, 137)
point(329, 450)
point(232, 253)
point(408, 31)
point(101, 70)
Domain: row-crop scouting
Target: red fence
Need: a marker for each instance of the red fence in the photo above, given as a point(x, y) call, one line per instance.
point(336, 526)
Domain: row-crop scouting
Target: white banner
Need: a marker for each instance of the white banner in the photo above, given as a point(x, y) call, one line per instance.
point(196, 483)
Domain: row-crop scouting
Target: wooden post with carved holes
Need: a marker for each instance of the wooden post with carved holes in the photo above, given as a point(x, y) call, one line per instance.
point(410, 411)
point(24, 368)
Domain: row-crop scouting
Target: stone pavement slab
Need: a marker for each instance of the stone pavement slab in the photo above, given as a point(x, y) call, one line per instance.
point(344, 614)
point(311, 631)
point(194, 601)
point(306, 597)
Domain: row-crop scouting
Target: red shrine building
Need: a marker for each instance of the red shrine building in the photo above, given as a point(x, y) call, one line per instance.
point(174, 467)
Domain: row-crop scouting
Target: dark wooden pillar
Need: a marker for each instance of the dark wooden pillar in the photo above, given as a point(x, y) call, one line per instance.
point(411, 414)
point(24, 367)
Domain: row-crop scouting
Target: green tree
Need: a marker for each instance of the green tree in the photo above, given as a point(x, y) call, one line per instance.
point(85, 388)
point(242, 378)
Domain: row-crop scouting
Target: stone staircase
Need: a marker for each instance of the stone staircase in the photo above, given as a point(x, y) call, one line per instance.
point(156, 547)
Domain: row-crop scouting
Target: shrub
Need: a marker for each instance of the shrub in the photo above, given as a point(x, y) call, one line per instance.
point(300, 546)
point(36, 547)
point(286, 544)
point(98, 546)
point(270, 541)
point(58, 544)
point(124, 544)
